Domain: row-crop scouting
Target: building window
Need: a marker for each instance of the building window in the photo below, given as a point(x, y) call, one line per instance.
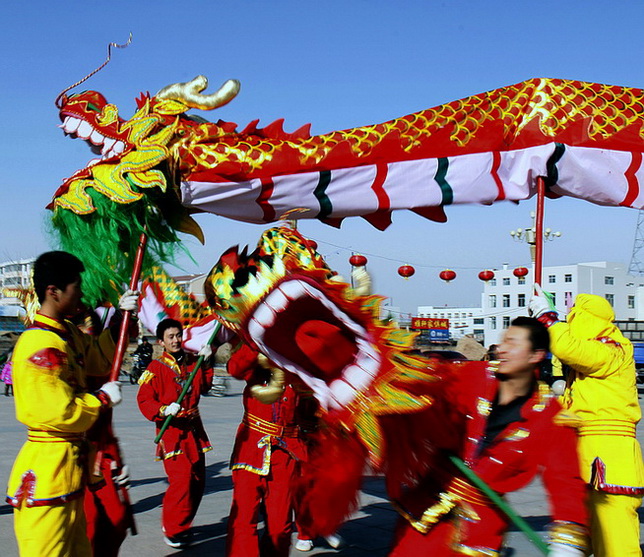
point(492, 322)
point(552, 279)
point(554, 298)
point(493, 282)
point(567, 278)
point(631, 302)
point(521, 300)
point(479, 331)
point(492, 300)
point(506, 300)
point(506, 321)
point(521, 280)
point(610, 298)
point(568, 299)
point(609, 280)
point(506, 281)
point(478, 321)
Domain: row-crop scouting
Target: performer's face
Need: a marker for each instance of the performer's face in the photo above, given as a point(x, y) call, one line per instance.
point(171, 341)
point(515, 353)
point(69, 298)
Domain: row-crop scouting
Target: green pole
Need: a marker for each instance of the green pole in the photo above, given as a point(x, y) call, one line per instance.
point(186, 387)
point(499, 502)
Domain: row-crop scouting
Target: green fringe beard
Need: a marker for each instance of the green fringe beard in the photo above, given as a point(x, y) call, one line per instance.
point(106, 242)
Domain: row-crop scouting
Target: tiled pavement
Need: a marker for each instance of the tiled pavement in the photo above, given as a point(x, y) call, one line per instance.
point(368, 533)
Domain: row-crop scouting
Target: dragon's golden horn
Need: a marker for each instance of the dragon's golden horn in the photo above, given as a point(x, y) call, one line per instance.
point(270, 392)
point(189, 93)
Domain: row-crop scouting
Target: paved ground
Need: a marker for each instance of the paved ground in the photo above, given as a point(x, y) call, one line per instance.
point(367, 533)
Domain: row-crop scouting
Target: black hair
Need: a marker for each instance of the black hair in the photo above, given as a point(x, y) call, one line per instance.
point(57, 268)
point(538, 332)
point(166, 324)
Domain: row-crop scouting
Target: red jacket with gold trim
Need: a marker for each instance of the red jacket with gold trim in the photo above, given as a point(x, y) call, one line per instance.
point(160, 385)
point(539, 443)
point(264, 426)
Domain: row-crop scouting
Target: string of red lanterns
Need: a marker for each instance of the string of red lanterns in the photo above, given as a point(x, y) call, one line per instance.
point(406, 271)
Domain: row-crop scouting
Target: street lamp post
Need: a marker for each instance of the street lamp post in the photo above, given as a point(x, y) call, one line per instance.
point(529, 236)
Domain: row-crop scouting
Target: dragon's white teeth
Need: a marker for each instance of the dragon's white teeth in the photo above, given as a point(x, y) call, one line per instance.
point(265, 316)
point(341, 394)
point(277, 300)
point(93, 162)
point(107, 145)
point(255, 330)
point(367, 350)
point(84, 130)
point(368, 365)
point(292, 289)
point(70, 125)
point(96, 138)
point(119, 147)
point(357, 377)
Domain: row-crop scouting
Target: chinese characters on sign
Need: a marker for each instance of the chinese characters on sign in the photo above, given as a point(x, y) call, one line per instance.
point(425, 323)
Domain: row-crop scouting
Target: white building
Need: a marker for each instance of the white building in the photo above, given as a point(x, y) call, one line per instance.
point(507, 296)
point(14, 274)
point(462, 321)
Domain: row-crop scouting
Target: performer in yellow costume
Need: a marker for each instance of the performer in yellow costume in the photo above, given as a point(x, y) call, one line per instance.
point(50, 359)
point(601, 392)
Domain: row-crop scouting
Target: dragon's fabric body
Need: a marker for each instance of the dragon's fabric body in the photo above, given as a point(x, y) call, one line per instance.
point(162, 164)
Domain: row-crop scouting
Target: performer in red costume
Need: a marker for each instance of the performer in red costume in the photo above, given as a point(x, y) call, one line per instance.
point(108, 515)
point(514, 430)
point(184, 443)
point(264, 460)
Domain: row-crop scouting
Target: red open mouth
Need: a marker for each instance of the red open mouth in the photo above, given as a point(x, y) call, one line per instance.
point(304, 332)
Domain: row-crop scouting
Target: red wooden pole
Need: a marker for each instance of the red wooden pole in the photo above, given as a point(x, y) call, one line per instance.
point(538, 229)
point(123, 339)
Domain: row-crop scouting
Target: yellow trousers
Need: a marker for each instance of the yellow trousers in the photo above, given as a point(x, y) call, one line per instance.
point(56, 531)
point(615, 525)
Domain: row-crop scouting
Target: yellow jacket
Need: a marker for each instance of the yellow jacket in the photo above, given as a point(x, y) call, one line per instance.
point(50, 361)
point(602, 393)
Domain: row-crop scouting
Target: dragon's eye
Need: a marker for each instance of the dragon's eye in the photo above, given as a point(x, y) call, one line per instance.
point(241, 277)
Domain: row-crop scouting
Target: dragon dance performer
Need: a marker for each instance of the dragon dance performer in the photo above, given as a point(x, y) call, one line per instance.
point(108, 516)
point(184, 444)
point(602, 393)
point(511, 434)
point(268, 447)
point(51, 360)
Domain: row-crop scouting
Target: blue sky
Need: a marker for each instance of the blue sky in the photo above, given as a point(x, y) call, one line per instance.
point(336, 64)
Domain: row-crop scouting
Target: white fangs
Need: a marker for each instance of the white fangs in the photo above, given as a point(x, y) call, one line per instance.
point(356, 376)
point(110, 147)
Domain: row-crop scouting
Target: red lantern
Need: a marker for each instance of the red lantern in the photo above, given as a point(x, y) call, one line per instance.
point(520, 272)
point(406, 271)
point(486, 275)
point(447, 275)
point(358, 260)
point(312, 244)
